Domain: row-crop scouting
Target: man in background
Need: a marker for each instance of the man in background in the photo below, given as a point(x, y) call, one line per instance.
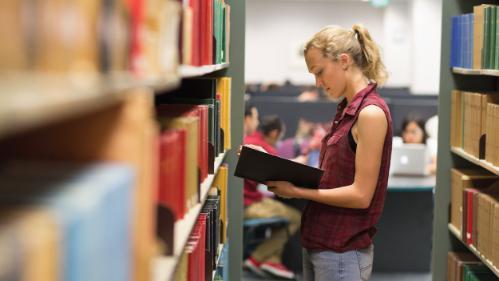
point(267, 256)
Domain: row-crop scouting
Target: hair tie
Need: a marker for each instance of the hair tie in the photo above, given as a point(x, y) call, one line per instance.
point(356, 34)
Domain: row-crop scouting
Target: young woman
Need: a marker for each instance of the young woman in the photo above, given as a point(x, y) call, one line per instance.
point(413, 130)
point(339, 221)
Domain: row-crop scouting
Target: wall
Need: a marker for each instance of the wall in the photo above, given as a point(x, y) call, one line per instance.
point(275, 29)
point(426, 33)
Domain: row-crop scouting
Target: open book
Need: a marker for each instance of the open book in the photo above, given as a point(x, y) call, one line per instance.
point(261, 167)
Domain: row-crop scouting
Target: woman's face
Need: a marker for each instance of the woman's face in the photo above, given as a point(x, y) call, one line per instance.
point(413, 133)
point(328, 73)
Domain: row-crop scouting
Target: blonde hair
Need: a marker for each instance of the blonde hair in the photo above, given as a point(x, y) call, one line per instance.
point(357, 42)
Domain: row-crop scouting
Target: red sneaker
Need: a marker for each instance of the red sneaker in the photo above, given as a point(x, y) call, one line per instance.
point(254, 266)
point(277, 269)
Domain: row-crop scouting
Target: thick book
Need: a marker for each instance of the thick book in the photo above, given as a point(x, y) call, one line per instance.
point(262, 167)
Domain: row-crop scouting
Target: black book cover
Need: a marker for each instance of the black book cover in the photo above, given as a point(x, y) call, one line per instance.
point(261, 167)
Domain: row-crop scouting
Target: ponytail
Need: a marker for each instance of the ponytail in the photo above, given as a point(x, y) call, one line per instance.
point(373, 67)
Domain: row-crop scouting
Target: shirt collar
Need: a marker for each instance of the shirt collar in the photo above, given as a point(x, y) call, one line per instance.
point(357, 100)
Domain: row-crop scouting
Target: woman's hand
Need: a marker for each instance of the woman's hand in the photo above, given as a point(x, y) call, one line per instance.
point(283, 189)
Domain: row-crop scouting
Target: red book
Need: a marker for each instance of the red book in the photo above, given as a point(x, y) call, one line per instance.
point(137, 11)
point(468, 215)
point(207, 32)
point(200, 111)
point(196, 32)
point(196, 250)
point(171, 191)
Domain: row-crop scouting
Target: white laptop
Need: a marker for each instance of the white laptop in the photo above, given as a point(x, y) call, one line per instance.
point(409, 160)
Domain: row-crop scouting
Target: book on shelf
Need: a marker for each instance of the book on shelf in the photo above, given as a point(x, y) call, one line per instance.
point(456, 126)
point(124, 133)
point(91, 207)
point(469, 120)
point(204, 39)
point(473, 39)
point(469, 216)
point(172, 173)
point(485, 221)
point(182, 269)
point(91, 36)
point(456, 262)
point(196, 249)
point(262, 167)
point(205, 159)
point(30, 244)
point(477, 272)
point(495, 238)
point(213, 93)
point(153, 31)
point(462, 179)
point(221, 182)
point(212, 209)
point(478, 218)
point(492, 139)
point(191, 126)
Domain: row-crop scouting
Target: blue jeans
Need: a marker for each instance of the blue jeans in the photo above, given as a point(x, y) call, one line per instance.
point(353, 265)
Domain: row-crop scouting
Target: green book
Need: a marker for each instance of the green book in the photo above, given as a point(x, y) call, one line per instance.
point(492, 38)
point(486, 27)
point(217, 31)
point(220, 12)
point(224, 17)
point(496, 55)
point(477, 272)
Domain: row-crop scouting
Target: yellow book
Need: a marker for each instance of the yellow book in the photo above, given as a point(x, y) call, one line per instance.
point(83, 15)
point(14, 50)
point(456, 119)
point(489, 140)
point(496, 135)
point(495, 237)
point(187, 18)
point(224, 90)
point(222, 181)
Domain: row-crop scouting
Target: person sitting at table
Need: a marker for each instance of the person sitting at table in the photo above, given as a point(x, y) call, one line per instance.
point(413, 132)
point(266, 258)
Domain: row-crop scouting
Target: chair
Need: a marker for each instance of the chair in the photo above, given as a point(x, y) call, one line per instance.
point(255, 231)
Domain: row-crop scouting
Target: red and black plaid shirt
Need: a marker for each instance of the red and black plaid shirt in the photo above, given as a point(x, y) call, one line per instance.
point(325, 227)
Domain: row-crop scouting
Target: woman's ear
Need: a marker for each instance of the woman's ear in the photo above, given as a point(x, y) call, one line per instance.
point(344, 61)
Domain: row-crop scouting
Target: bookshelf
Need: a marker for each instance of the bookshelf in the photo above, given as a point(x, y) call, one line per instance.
point(480, 162)
point(472, 249)
point(193, 71)
point(446, 239)
point(164, 267)
point(52, 117)
point(483, 72)
point(49, 98)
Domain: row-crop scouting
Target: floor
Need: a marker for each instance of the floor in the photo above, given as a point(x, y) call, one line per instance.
point(247, 276)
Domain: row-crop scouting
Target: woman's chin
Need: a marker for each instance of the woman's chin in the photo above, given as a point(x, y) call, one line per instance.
point(334, 97)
